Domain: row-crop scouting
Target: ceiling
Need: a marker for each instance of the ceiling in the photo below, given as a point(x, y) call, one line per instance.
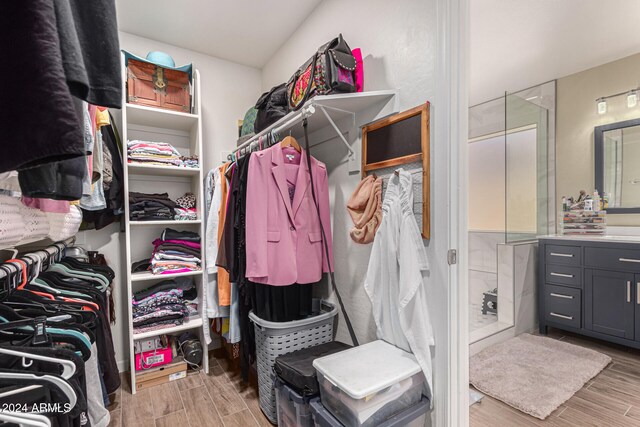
point(244, 31)
point(518, 44)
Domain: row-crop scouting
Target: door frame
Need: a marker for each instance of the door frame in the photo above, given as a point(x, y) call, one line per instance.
point(451, 130)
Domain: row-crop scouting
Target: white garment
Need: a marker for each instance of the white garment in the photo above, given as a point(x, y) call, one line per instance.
point(98, 414)
point(213, 219)
point(211, 306)
point(394, 280)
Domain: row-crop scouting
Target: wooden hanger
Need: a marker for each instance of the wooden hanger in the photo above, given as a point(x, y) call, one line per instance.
point(290, 141)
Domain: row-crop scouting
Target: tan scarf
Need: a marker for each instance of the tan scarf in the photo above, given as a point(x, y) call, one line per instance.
point(365, 208)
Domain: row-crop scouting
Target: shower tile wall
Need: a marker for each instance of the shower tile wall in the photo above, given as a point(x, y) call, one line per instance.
point(483, 274)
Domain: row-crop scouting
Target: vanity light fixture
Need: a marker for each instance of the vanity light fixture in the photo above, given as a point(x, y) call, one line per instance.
point(602, 105)
point(632, 98)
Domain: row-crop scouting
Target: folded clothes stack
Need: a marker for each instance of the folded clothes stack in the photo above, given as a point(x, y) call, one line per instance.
point(190, 162)
point(151, 207)
point(186, 209)
point(176, 252)
point(158, 153)
point(186, 214)
point(164, 304)
point(155, 153)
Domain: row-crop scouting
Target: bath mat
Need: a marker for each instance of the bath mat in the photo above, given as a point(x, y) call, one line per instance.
point(534, 374)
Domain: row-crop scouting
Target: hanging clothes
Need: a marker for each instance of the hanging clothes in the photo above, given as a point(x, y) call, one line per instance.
point(232, 257)
point(224, 283)
point(213, 202)
point(73, 296)
point(113, 180)
point(47, 130)
point(394, 279)
point(284, 241)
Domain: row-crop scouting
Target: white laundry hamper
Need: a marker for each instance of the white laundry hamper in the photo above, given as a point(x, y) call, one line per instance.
point(275, 339)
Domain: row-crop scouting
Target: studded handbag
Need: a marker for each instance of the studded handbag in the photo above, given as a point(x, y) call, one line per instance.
point(330, 70)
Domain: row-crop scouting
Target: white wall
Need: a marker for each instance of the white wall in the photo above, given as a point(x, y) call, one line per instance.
point(228, 90)
point(398, 41)
point(518, 44)
point(577, 117)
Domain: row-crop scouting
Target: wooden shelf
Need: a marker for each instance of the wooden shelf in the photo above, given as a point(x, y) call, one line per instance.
point(141, 277)
point(142, 169)
point(169, 222)
point(192, 323)
point(159, 118)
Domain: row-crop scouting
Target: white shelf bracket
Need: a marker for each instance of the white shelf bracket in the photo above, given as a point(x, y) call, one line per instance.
point(353, 164)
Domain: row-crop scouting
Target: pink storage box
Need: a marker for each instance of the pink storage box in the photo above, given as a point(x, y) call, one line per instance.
point(153, 358)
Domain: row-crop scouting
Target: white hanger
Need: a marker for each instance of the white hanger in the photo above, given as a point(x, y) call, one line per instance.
point(62, 384)
point(69, 368)
point(25, 419)
point(36, 417)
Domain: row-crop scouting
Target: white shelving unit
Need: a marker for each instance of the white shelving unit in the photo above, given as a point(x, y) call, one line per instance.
point(184, 131)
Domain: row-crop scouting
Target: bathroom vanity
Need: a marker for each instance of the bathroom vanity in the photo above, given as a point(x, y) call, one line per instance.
point(591, 286)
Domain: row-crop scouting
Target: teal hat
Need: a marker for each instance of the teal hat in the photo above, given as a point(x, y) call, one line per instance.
point(160, 59)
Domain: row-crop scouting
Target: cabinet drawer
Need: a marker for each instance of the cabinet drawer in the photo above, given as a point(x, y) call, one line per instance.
point(563, 305)
point(563, 275)
point(563, 255)
point(612, 258)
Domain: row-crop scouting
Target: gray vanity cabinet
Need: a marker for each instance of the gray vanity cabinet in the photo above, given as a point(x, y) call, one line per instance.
point(608, 308)
point(590, 287)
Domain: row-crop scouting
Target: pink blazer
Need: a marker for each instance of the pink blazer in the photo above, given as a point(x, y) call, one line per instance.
point(284, 242)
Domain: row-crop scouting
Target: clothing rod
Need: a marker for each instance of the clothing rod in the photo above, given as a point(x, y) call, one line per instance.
point(307, 111)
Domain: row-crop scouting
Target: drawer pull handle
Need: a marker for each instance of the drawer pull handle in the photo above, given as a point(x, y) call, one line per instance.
point(638, 292)
point(562, 255)
point(562, 316)
point(553, 294)
point(569, 276)
point(628, 290)
point(629, 260)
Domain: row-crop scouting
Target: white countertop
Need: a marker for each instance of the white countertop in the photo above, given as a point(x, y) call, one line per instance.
point(599, 238)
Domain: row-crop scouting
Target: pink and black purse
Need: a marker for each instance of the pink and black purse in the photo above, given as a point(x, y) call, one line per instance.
point(332, 69)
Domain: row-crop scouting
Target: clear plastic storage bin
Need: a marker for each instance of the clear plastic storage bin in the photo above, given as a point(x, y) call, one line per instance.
point(414, 416)
point(367, 385)
point(293, 409)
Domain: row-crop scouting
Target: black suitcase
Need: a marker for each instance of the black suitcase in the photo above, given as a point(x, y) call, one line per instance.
point(296, 369)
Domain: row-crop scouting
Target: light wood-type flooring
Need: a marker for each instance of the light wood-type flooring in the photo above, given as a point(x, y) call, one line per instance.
point(215, 400)
point(611, 399)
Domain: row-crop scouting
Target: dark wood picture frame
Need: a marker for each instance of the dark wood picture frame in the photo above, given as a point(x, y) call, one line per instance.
point(423, 155)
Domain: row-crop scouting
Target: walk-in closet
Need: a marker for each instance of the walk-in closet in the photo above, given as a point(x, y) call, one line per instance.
point(230, 213)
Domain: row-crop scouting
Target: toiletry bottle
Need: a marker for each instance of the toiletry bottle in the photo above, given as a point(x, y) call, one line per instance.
point(588, 205)
point(564, 204)
point(605, 201)
point(596, 202)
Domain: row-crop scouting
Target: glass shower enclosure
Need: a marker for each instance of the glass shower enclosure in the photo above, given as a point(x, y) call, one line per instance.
point(508, 205)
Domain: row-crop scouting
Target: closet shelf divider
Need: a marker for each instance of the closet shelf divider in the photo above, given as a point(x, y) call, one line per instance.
point(192, 323)
point(142, 169)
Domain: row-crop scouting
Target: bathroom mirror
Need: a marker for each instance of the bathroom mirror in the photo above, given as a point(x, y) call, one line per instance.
point(617, 165)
